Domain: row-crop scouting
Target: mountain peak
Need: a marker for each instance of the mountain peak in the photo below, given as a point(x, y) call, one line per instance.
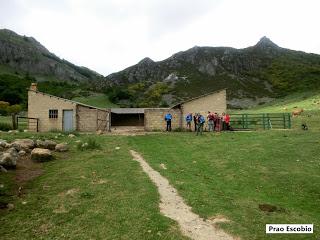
point(265, 42)
point(146, 60)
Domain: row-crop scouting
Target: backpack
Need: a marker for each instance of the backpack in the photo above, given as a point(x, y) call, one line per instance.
point(189, 118)
point(201, 119)
point(168, 117)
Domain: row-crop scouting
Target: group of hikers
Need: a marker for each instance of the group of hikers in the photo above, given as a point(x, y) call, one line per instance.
point(215, 122)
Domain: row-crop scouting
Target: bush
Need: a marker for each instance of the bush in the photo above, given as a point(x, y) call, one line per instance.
point(5, 127)
point(89, 144)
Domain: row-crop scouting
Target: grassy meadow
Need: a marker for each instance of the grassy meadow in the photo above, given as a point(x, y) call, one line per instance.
point(90, 194)
point(103, 194)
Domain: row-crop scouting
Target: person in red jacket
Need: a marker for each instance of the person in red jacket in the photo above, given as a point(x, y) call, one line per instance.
point(226, 121)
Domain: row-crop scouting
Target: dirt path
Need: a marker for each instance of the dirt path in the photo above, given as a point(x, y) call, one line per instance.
point(173, 206)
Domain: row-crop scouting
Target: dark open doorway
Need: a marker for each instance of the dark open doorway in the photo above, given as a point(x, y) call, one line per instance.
point(127, 117)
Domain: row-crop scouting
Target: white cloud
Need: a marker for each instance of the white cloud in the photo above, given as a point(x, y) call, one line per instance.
point(109, 35)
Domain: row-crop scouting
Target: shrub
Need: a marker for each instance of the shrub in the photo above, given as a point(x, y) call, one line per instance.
point(5, 127)
point(89, 144)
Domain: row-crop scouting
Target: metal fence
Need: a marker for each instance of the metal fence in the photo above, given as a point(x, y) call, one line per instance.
point(31, 124)
point(261, 121)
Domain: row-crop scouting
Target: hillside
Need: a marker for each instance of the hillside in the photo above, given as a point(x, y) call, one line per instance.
point(253, 75)
point(24, 60)
point(25, 55)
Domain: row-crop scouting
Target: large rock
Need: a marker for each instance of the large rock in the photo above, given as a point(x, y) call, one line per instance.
point(9, 158)
point(62, 147)
point(48, 144)
point(23, 144)
point(3, 143)
point(41, 155)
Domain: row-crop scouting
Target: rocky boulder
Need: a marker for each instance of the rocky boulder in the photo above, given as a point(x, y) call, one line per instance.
point(41, 155)
point(3, 143)
point(48, 144)
point(23, 144)
point(62, 147)
point(8, 159)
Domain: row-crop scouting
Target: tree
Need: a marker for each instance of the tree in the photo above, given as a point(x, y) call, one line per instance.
point(11, 109)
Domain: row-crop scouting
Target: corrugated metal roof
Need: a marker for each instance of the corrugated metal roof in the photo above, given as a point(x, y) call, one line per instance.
point(127, 110)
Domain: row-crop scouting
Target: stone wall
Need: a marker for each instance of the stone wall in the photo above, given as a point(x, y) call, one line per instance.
point(86, 119)
point(154, 118)
point(215, 102)
point(39, 105)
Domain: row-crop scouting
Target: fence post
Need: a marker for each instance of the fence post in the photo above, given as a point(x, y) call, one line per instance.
point(246, 122)
point(284, 120)
point(289, 121)
point(242, 121)
point(264, 121)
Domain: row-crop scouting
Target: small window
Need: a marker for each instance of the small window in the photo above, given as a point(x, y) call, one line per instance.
point(53, 113)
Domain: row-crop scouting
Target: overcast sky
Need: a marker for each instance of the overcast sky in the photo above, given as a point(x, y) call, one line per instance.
point(110, 35)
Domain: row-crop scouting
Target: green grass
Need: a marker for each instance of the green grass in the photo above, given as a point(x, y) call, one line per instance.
point(98, 194)
point(98, 100)
point(308, 101)
point(102, 193)
point(7, 120)
point(230, 174)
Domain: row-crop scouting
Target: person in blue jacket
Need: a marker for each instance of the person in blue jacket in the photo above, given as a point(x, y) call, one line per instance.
point(168, 119)
point(200, 122)
point(189, 120)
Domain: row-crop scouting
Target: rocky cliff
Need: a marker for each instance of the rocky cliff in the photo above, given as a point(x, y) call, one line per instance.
point(25, 55)
point(252, 75)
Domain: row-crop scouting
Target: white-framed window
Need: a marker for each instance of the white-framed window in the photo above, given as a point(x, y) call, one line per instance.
point(53, 113)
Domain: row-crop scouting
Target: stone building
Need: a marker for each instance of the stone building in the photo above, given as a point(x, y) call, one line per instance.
point(213, 102)
point(54, 113)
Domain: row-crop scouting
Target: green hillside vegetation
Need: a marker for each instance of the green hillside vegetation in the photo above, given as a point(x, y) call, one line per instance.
point(309, 101)
point(96, 100)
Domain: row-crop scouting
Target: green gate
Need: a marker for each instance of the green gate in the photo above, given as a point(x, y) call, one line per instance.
point(261, 121)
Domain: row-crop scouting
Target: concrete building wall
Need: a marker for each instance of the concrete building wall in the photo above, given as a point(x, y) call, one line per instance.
point(215, 102)
point(86, 119)
point(39, 105)
point(154, 118)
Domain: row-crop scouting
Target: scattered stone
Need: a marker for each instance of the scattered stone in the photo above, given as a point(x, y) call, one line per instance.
point(71, 135)
point(2, 169)
point(9, 158)
point(23, 144)
point(99, 132)
point(8, 145)
point(24, 203)
point(10, 131)
point(163, 166)
point(25, 130)
point(3, 143)
point(10, 206)
point(84, 145)
point(117, 148)
point(22, 153)
point(62, 147)
point(41, 155)
point(1, 185)
point(50, 144)
point(78, 141)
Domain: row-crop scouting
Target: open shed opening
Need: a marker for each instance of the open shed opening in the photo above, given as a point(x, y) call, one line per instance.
point(127, 117)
